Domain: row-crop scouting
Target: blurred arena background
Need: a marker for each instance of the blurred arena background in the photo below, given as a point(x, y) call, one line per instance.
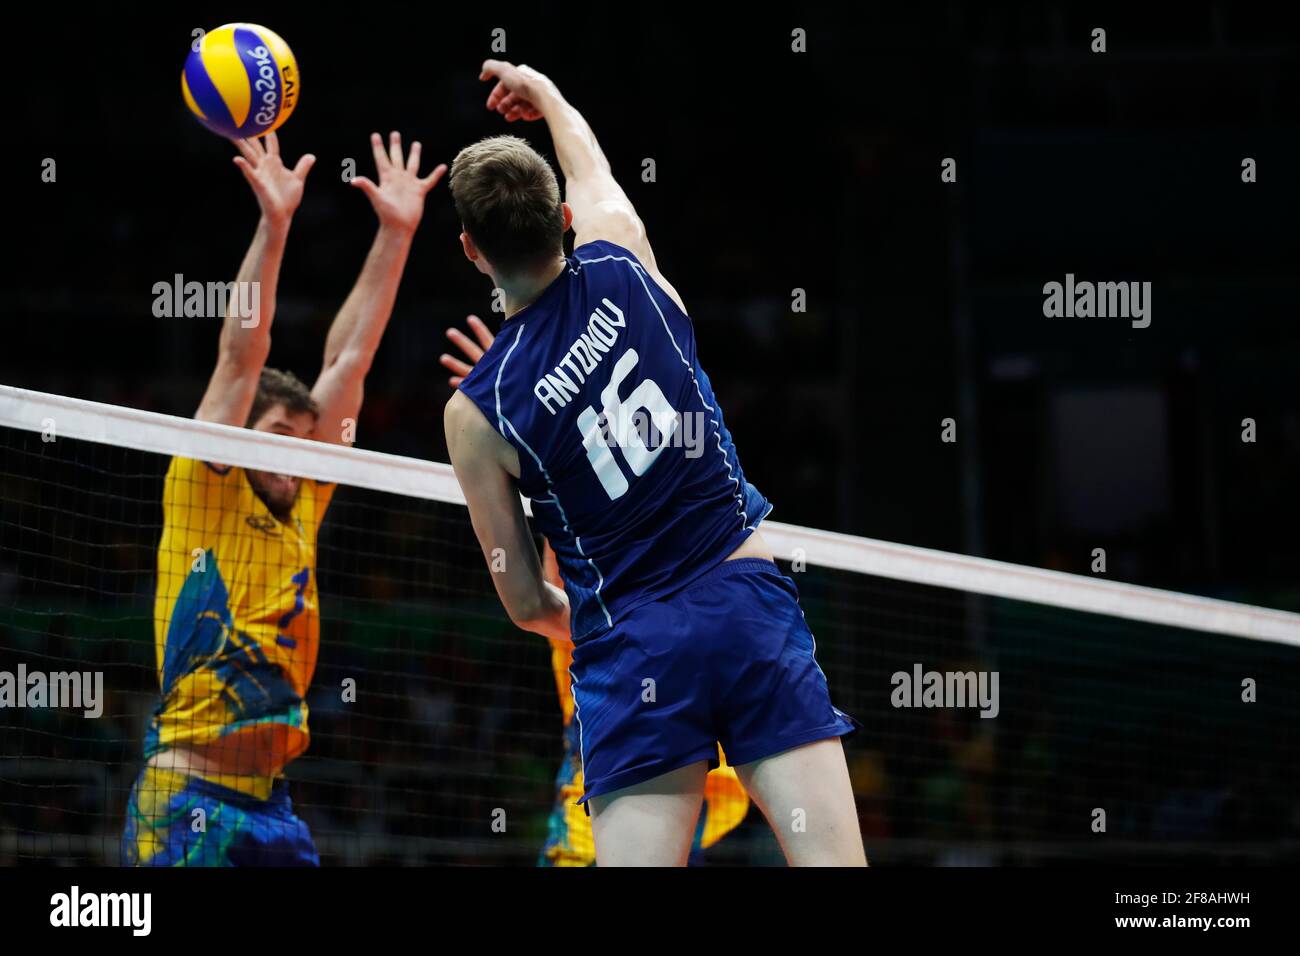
point(775, 172)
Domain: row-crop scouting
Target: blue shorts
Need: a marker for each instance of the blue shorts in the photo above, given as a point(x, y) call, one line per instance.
point(236, 829)
point(726, 660)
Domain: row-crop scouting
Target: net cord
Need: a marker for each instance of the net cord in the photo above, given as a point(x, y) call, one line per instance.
point(169, 435)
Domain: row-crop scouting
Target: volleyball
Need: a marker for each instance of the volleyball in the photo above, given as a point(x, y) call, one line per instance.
point(240, 80)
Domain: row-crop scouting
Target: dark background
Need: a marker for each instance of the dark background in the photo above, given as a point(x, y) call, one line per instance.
point(775, 171)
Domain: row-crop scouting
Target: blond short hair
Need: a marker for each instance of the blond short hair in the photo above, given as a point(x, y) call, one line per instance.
point(508, 200)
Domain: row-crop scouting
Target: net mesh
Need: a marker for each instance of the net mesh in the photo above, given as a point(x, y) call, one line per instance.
point(436, 730)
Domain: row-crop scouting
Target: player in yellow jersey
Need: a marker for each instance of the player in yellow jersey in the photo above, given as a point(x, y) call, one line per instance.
point(236, 616)
point(569, 840)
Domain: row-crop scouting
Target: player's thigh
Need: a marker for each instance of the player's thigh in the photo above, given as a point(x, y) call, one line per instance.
point(650, 823)
point(807, 798)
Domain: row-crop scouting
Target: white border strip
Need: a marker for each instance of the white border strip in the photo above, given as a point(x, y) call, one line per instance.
point(435, 481)
point(226, 444)
point(1020, 582)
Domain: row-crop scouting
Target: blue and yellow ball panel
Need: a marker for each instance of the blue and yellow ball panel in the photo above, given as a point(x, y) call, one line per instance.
point(241, 82)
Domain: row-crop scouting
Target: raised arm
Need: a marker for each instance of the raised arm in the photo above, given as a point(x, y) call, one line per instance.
point(246, 334)
point(601, 210)
point(354, 336)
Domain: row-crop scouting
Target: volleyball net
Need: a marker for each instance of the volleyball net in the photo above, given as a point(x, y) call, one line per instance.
point(1010, 714)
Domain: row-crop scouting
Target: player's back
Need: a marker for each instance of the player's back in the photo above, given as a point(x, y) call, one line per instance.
point(622, 447)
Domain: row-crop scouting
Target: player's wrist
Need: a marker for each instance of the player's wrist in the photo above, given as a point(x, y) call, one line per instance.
point(545, 96)
point(402, 230)
point(275, 223)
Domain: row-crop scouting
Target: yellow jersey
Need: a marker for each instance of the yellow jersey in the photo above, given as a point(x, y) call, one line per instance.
point(236, 620)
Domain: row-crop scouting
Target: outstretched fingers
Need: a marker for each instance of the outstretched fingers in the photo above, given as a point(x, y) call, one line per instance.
point(480, 330)
point(250, 149)
point(247, 169)
point(377, 150)
point(431, 180)
point(367, 186)
point(463, 342)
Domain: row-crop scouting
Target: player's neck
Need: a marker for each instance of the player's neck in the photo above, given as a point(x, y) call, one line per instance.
point(522, 291)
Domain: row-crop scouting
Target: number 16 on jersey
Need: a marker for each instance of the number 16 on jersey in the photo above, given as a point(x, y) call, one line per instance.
point(621, 420)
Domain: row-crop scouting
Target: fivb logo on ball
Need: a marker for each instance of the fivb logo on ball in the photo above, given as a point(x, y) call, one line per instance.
point(241, 80)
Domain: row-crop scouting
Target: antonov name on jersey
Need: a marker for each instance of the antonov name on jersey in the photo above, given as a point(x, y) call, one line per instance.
point(560, 387)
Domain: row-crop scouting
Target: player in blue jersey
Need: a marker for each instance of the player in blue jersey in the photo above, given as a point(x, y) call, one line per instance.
point(592, 403)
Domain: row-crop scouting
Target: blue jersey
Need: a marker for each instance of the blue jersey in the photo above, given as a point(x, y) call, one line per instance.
point(632, 473)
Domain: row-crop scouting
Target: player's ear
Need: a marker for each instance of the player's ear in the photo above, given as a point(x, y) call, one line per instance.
point(568, 215)
point(467, 244)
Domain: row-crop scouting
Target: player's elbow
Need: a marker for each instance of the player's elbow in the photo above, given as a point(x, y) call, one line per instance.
point(533, 612)
point(245, 354)
point(526, 615)
point(352, 363)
